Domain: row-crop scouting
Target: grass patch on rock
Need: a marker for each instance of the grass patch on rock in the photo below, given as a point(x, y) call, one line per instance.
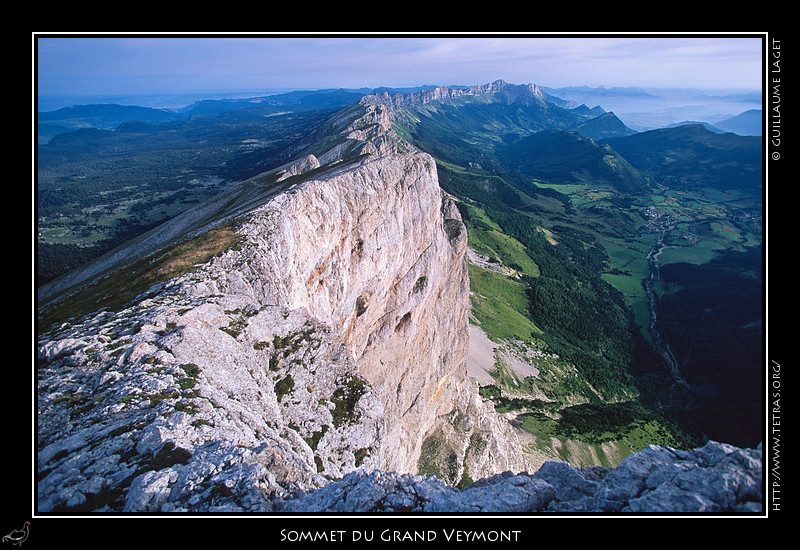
point(114, 291)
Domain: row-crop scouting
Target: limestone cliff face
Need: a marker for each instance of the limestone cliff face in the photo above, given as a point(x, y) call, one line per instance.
point(377, 254)
point(334, 337)
point(503, 91)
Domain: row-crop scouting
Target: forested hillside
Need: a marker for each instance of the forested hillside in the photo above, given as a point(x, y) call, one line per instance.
point(591, 222)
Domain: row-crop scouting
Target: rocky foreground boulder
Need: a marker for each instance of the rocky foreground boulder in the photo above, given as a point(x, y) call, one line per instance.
point(715, 478)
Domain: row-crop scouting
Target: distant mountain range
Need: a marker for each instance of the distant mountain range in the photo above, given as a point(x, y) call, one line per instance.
point(109, 116)
point(501, 116)
point(584, 100)
point(316, 313)
point(749, 123)
point(649, 109)
point(691, 156)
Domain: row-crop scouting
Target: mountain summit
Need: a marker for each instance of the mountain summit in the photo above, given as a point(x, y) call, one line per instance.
point(499, 90)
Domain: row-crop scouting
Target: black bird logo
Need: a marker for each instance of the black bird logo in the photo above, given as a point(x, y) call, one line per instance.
point(18, 536)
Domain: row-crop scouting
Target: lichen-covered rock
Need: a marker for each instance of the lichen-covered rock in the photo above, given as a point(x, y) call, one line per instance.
point(714, 478)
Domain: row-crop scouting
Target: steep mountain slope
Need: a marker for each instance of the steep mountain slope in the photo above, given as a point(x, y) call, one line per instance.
point(748, 123)
point(606, 125)
point(115, 178)
point(568, 157)
point(332, 335)
point(512, 187)
point(471, 124)
point(692, 157)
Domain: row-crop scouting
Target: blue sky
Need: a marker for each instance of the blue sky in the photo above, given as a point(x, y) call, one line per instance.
point(76, 65)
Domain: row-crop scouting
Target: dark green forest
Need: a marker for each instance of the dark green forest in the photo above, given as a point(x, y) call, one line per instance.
point(713, 322)
point(584, 318)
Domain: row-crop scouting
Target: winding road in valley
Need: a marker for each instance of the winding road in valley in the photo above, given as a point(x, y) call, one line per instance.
point(652, 259)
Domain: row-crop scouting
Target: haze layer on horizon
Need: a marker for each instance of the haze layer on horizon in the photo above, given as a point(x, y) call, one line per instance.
point(79, 65)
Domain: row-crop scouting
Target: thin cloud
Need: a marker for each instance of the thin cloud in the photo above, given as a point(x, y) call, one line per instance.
point(162, 64)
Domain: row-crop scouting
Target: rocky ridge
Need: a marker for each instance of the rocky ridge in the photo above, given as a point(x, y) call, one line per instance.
point(333, 337)
point(715, 478)
point(499, 89)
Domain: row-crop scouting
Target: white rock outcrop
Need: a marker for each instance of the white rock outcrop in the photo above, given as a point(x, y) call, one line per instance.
point(715, 478)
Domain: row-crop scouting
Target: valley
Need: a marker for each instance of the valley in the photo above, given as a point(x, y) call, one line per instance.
point(622, 219)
